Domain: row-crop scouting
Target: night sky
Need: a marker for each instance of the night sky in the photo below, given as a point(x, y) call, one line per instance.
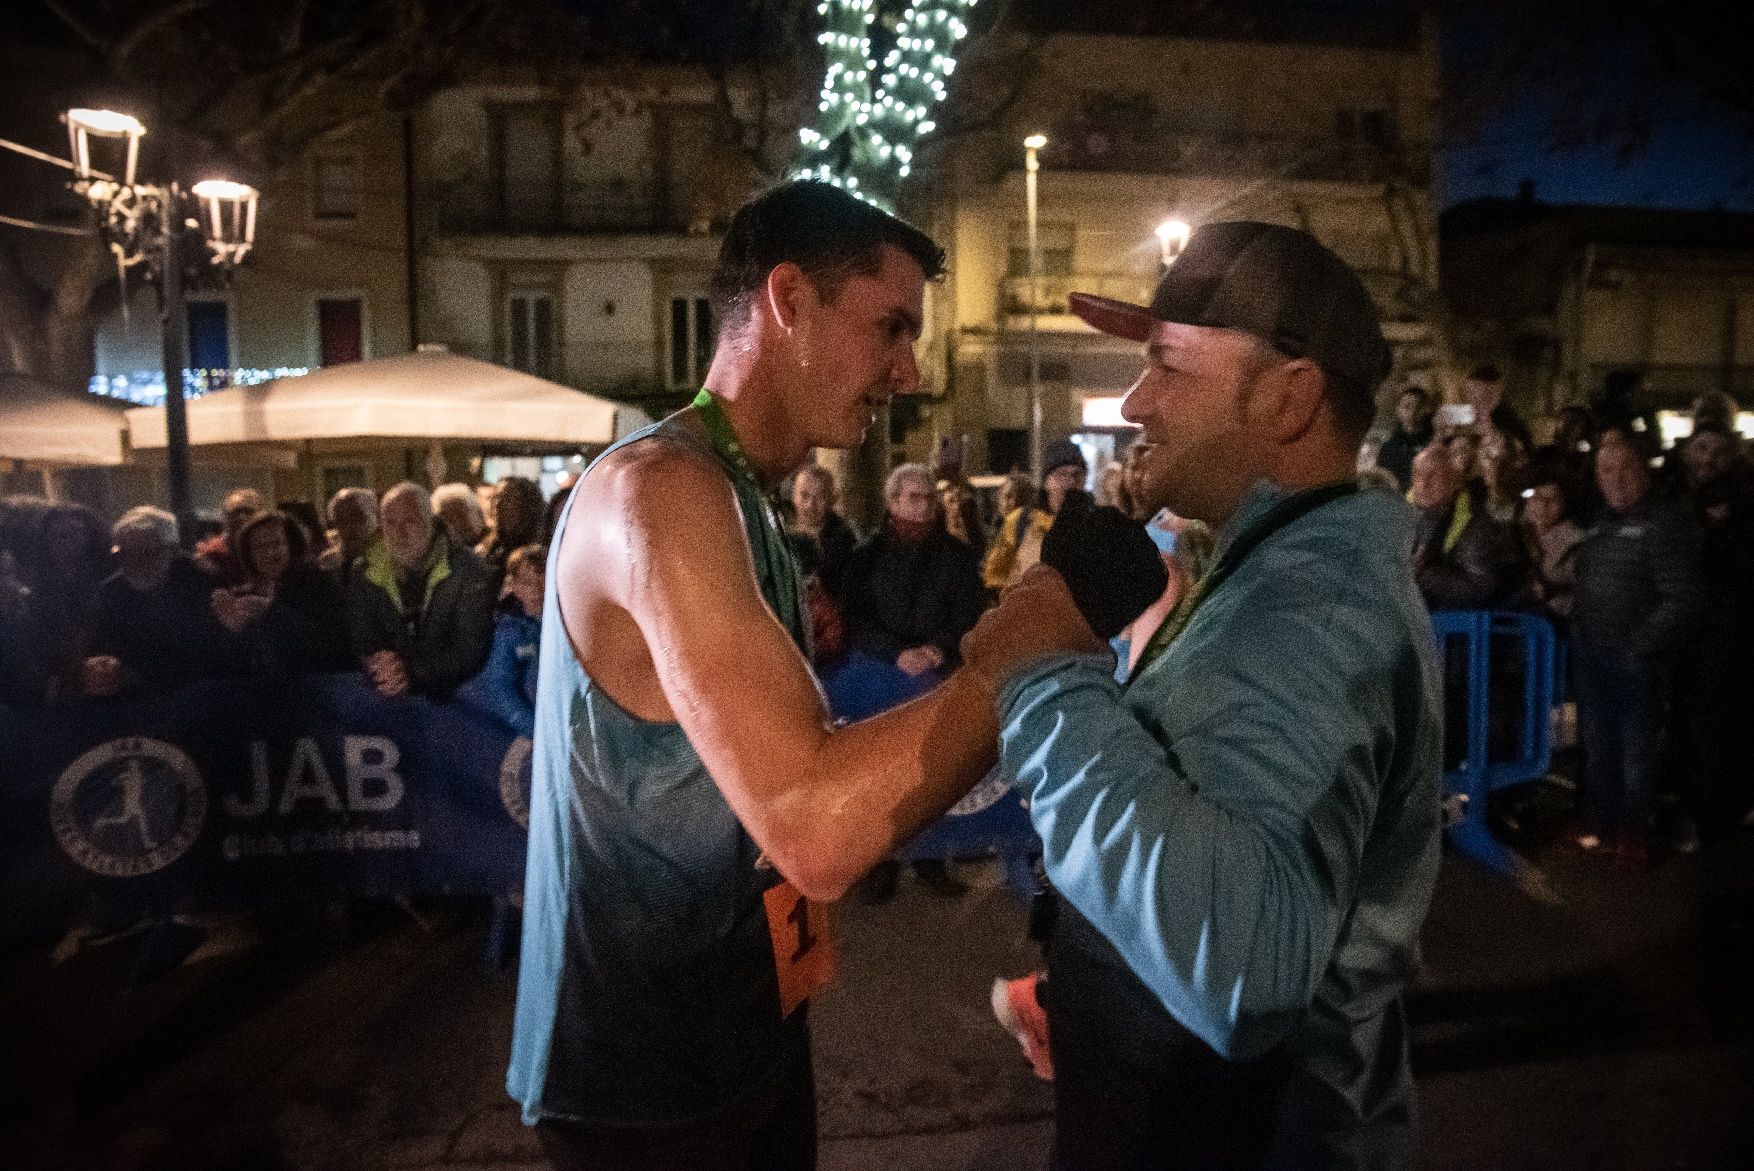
point(1698, 155)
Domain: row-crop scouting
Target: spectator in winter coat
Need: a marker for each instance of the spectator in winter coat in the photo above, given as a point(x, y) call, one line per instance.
point(1462, 559)
point(1638, 602)
point(420, 606)
point(506, 687)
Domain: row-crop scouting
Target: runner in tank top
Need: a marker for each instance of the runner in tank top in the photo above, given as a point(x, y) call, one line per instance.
point(692, 805)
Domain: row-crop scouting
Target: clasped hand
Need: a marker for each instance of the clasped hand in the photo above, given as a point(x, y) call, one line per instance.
point(1035, 619)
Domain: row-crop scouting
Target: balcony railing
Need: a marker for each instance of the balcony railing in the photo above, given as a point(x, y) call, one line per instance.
point(1224, 155)
point(1014, 292)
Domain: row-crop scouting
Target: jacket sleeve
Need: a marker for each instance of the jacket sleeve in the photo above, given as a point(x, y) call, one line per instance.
point(859, 608)
point(1226, 907)
point(499, 689)
point(968, 598)
point(1673, 554)
point(364, 604)
point(1479, 569)
point(1003, 553)
point(459, 637)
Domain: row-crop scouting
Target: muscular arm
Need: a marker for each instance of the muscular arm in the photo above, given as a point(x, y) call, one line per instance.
point(657, 538)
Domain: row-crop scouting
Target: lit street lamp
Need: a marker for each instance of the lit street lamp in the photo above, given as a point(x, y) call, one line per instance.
point(1172, 237)
point(1031, 165)
point(144, 225)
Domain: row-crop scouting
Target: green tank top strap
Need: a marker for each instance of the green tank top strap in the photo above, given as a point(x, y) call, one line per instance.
point(781, 583)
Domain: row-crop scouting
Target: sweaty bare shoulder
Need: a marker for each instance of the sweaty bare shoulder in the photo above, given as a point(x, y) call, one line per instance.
point(652, 519)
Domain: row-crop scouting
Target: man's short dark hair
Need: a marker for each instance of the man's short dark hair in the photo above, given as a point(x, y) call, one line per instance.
point(824, 230)
point(1486, 373)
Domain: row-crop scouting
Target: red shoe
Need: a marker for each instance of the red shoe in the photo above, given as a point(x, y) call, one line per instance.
point(1018, 1010)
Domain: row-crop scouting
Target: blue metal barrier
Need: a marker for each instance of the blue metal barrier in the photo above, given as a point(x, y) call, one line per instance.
point(1470, 634)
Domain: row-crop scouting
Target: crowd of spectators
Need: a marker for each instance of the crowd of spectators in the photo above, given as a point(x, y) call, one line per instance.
point(1642, 560)
point(417, 591)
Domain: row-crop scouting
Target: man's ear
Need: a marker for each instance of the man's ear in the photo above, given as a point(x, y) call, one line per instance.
point(785, 291)
point(1297, 391)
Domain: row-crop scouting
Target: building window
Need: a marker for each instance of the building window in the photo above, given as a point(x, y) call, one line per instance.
point(1370, 128)
point(210, 340)
point(530, 331)
point(691, 341)
point(526, 164)
point(1053, 240)
point(340, 330)
point(335, 187)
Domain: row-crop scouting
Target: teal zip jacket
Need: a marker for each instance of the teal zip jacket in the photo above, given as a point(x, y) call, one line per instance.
point(1252, 821)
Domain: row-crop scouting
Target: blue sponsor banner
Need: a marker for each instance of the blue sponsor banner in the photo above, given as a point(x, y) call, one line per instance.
point(234, 792)
point(257, 792)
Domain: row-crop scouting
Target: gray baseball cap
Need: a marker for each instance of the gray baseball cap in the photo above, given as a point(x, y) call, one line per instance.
point(1274, 282)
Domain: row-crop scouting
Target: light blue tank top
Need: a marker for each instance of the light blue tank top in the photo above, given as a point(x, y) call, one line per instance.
point(646, 991)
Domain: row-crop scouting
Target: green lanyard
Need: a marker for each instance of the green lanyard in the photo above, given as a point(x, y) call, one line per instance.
point(773, 556)
point(1279, 516)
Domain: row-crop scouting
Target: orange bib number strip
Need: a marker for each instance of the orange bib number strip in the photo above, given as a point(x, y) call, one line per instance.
point(803, 954)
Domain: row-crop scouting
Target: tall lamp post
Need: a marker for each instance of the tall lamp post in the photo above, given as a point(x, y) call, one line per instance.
point(1031, 165)
point(144, 225)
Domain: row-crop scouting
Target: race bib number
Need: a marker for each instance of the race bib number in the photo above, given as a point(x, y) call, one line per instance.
point(803, 954)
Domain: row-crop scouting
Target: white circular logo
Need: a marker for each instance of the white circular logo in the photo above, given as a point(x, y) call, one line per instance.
point(984, 795)
point(128, 807)
point(514, 781)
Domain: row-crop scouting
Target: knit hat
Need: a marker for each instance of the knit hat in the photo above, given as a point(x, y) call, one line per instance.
point(1064, 454)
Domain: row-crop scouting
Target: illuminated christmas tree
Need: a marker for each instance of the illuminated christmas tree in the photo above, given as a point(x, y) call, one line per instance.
point(865, 135)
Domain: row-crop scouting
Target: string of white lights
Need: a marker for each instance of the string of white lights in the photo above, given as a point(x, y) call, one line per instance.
point(864, 136)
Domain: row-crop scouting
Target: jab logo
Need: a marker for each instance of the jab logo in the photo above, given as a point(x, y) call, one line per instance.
point(128, 807)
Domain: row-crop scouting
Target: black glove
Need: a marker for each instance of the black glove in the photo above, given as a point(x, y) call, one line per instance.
point(1112, 568)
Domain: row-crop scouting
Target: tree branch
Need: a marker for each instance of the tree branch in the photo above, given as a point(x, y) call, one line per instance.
point(78, 27)
point(145, 27)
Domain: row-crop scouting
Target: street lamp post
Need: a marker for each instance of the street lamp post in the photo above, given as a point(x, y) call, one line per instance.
point(1031, 165)
point(145, 224)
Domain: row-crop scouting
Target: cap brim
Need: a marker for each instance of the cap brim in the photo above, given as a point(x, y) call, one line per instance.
point(1118, 318)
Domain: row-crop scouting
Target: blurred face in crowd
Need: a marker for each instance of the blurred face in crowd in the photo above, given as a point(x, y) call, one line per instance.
point(353, 528)
point(407, 530)
point(1061, 481)
point(1621, 474)
point(1192, 402)
point(240, 506)
point(1464, 453)
point(267, 552)
point(66, 540)
point(484, 496)
point(1435, 479)
point(1413, 411)
point(459, 520)
point(809, 500)
point(143, 558)
point(1013, 494)
point(910, 501)
point(518, 507)
point(1544, 507)
point(1708, 455)
point(526, 582)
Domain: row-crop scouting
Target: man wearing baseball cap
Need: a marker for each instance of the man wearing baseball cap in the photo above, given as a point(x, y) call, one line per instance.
point(1244, 834)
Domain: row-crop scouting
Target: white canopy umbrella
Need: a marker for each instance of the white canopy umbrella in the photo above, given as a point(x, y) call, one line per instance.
point(64, 428)
point(430, 395)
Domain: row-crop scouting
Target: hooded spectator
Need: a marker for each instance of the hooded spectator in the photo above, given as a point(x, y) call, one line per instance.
point(519, 520)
